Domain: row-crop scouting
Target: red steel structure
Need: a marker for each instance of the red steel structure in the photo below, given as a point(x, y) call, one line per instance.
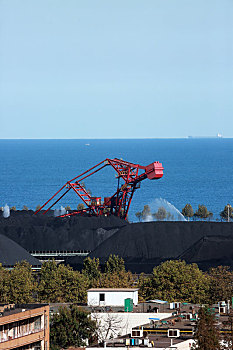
point(118, 204)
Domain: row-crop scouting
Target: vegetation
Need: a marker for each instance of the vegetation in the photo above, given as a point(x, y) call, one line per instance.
point(91, 269)
point(172, 280)
point(207, 335)
point(139, 215)
point(67, 208)
point(161, 214)
point(227, 212)
point(38, 207)
point(60, 283)
point(25, 208)
point(71, 327)
point(146, 212)
point(187, 211)
point(175, 280)
point(220, 283)
point(114, 264)
point(80, 206)
point(13, 208)
point(203, 212)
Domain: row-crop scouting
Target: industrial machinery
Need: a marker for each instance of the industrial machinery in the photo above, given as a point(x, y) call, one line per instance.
point(129, 176)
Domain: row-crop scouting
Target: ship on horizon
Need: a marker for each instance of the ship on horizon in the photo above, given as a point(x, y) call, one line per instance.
point(218, 136)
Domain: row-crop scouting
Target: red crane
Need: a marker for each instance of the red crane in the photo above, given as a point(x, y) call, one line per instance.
point(118, 204)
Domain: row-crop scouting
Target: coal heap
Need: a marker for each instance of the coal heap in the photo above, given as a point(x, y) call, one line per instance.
point(141, 245)
point(11, 253)
point(144, 245)
point(210, 251)
point(45, 232)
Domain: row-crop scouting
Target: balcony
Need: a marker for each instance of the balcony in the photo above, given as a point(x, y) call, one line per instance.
point(21, 340)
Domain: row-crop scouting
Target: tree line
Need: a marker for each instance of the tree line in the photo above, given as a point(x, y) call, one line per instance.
point(172, 280)
point(201, 213)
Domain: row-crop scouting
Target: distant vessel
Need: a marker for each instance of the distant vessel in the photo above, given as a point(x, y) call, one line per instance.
point(218, 136)
point(87, 144)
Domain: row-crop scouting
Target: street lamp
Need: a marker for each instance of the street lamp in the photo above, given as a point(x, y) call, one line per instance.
point(228, 212)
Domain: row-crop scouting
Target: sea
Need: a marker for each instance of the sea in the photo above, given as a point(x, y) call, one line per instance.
point(196, 171)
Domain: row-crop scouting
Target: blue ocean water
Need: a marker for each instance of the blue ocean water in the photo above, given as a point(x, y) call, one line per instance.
point(196, 171)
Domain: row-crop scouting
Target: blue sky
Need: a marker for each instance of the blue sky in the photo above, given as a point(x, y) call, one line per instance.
point(116, 69)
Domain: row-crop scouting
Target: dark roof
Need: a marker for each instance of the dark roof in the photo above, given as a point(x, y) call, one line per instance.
point(11, 253)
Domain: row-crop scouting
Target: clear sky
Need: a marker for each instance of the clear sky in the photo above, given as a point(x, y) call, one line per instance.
point(116, 68)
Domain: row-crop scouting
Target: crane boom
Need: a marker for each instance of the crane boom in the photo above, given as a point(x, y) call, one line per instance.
point(118, 204)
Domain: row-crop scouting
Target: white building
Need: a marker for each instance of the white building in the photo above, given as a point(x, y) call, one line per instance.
point(113, 324)
point(111, 296)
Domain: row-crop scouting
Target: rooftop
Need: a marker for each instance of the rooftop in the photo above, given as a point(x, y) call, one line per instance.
point(113, 289)
point(11, 309)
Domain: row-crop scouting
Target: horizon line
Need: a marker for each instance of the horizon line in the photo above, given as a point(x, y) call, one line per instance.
point(122, 138)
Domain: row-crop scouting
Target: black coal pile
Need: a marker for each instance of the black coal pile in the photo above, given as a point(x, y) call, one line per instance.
point(11, 253)
point(210, 251)
point(144, 245)
point(45, 232)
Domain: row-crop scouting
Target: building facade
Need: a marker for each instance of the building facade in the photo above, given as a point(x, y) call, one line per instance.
point(111, 296)
point(24, 327)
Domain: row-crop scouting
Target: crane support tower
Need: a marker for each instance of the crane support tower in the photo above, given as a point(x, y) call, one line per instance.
point(129, 176)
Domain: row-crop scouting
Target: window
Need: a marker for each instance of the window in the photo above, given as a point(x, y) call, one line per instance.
point(102, 297)
point(37, 323)
point(173, 333)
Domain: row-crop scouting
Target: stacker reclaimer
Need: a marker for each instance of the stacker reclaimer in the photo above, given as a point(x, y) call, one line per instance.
point(129, 176)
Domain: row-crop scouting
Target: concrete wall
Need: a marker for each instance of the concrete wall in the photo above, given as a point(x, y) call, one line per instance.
point(112, 298)
point(122, 323)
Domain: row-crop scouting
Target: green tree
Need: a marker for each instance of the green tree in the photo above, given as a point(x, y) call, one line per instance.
point(80, 206)
point(146, 212)
point(175, 280)
point(203, 212)
point(145, 287)
point(13, 208)
point(114, 264)
point(207, 335)
point(38, 207)
point(91, 268)
point(138, 215)
point(228, 210)
point(4, 285)
point(25, 208)
point(221, 287)
point(50, 282)
point(121, 279)
point(161, 214)
point(187, 211)
point(73, 286)
point(22, 286)
point(170, 217)
point(61, 284)
point(71, 327)
point(67, 207)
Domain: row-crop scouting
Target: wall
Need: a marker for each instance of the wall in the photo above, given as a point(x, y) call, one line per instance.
point(19, 328)
point(122, 323)
point(113, 298)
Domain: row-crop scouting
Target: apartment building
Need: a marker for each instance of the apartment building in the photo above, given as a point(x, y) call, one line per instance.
point(24, 327)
